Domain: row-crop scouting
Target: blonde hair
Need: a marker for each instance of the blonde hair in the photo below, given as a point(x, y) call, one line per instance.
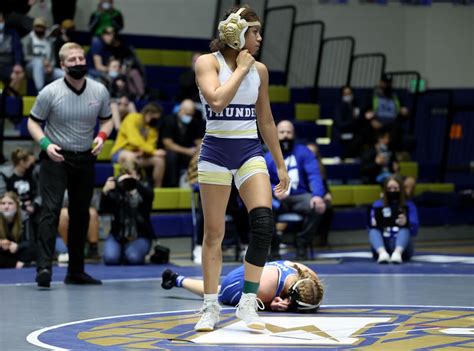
point(310, 289)
point(66, 47)
point(128, 167)
point(17, 226)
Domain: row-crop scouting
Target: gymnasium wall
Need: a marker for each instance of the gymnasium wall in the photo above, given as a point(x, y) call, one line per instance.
point(435, 40)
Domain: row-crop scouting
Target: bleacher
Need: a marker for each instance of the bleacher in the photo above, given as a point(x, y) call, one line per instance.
point(165, 58)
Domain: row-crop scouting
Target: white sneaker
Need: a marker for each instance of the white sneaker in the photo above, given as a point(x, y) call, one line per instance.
point(63, 258)
point(384, 257)
point(197, 252)
point(209, 318)
point(247, 311)
point(396, 257)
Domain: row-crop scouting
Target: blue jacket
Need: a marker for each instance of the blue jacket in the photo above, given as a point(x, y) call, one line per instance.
point(414, 223)
point(303, 169)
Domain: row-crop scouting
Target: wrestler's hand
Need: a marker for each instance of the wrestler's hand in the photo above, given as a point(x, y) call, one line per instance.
point(284, 185)
point(279, 304)
point(53, 153)
point(245, 60)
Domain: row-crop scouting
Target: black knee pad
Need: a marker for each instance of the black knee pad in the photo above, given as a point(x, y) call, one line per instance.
point(261, 227)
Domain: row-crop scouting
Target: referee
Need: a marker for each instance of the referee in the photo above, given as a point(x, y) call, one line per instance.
point(70, 106)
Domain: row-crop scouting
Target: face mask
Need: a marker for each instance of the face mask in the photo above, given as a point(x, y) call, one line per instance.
point(186, 119)
point(387, 91)
point(113, 74)
point(393, 196)
point(39, 33)
point(2, 26)
point(9, 214)
point(106, 5)
point(347, 98)
point(154, 122)
point(29, 170)
point(77, 72)
point(287, 145)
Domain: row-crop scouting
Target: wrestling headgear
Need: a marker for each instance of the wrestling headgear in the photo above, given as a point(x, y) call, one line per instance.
point(295, 297)
point(232, 30)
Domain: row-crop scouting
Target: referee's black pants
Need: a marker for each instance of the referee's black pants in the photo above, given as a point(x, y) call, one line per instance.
point(76, 174)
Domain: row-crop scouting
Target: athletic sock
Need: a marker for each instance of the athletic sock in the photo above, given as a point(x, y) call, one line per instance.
point(210, 298)
point(250, 287)
point(179, 281)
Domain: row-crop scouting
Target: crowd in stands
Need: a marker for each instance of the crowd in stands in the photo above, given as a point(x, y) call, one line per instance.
point(155, 151)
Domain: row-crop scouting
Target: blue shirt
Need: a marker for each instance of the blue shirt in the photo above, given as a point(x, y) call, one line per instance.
point(303, 170)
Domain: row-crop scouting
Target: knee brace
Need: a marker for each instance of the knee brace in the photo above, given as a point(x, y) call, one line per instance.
point(261, 228)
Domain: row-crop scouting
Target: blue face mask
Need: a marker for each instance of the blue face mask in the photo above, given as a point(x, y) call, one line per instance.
point(113, 74)
point(186, 119)
point(2, 26)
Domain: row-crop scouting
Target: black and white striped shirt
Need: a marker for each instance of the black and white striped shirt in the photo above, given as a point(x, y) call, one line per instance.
point(71, 115)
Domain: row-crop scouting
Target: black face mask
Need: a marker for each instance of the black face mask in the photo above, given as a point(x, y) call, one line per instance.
point(154, 123)
point(77, 72)
point(387, 91)
point(40, 33)
point(287, 145)
point(393, 196)
point(29, 171)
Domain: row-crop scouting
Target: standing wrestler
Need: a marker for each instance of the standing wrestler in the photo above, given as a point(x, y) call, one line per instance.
point(70, 106)
point(234, 92)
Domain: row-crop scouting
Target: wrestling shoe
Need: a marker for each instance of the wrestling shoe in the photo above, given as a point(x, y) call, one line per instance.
point(168, 279)
point(209, 317)
point(247, 311)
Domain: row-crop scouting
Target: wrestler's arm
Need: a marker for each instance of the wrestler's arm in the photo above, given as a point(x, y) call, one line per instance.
point(207, 78)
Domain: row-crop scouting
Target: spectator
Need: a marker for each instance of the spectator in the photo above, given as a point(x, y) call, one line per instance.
point(384, 105)
point(378, 162)
point(181, 135)
point(137, 141)
point(130, 202)
point(115, 80)
point(23, 183)
point(17, 248)
point(131, 66)
point(101, 52)
point(326, 220)
point(17, 80)
point(39, 56)
point(187, 82)
point(393, 242)
point(306, 189)
point(105, 16)
point(121, 108)
point(63, 10)
point(66, 34)
point(346, 124)
point(16, 15)
point(11, 51)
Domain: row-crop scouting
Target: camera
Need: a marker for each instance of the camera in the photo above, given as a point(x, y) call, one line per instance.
point(126, 184)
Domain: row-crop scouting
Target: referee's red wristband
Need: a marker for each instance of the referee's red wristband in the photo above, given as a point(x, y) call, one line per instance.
point(102, 135)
